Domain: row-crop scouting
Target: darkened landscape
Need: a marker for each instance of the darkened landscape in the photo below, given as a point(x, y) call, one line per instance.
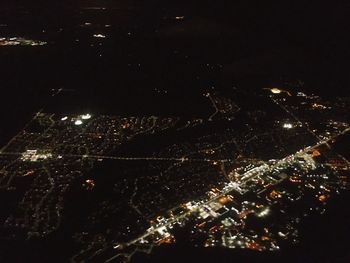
point(174, 131)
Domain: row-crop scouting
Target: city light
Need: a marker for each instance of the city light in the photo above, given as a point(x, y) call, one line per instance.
point(264, 213)
point(35, 155)
point(258, 172)
point(86, 116)
point(19, 41)
point(287, 126)
point(78, 122)
point(89, 184)
point(276, 90)
point(99, 36)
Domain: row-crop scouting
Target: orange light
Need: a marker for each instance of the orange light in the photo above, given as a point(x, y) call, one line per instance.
point(254, 246)
point(322, 198)
point(274, 194)
point(167, 240)
point(316, 153)
point(224, 200)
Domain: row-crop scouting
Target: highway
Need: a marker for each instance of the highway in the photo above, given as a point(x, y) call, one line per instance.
point(123, 158)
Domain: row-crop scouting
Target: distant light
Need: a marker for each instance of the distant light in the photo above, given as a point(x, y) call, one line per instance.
point(20, 41)
point(179, 17)
point(99, 36)
point(301, 94)
point(276, 90)
point(78, 122)
point(281, 234)
point(86, 116)
point(64, 118)
point(287, 125)
point(89, 184)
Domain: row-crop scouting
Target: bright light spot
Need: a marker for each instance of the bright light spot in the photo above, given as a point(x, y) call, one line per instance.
point(264, 213)
point(89, 184)
point(179, 17)
point(64, 118)
point(276, 90)
point(99, 36)
point(78, 122)
point(86, 116)
point(287, 125)
point(281, 234)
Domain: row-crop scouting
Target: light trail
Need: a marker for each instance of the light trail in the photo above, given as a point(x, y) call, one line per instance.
point(215, 107)
point(122, 158)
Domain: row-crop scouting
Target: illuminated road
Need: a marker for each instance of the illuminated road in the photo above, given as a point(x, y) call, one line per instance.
point(215, 107)
point(296, 118)
point(124, 158)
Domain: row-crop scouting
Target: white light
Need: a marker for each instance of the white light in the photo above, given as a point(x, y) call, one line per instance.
point(264, 213)
point(78, 122)
point(287, 125)
point(99, 36)
point(64, 118)
point(34, 156)
point(86, 116)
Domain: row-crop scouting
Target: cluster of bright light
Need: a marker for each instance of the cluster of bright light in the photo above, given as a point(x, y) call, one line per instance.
point(287, 125)
point(19, 41)
point(34, 156)
point(79, 121)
